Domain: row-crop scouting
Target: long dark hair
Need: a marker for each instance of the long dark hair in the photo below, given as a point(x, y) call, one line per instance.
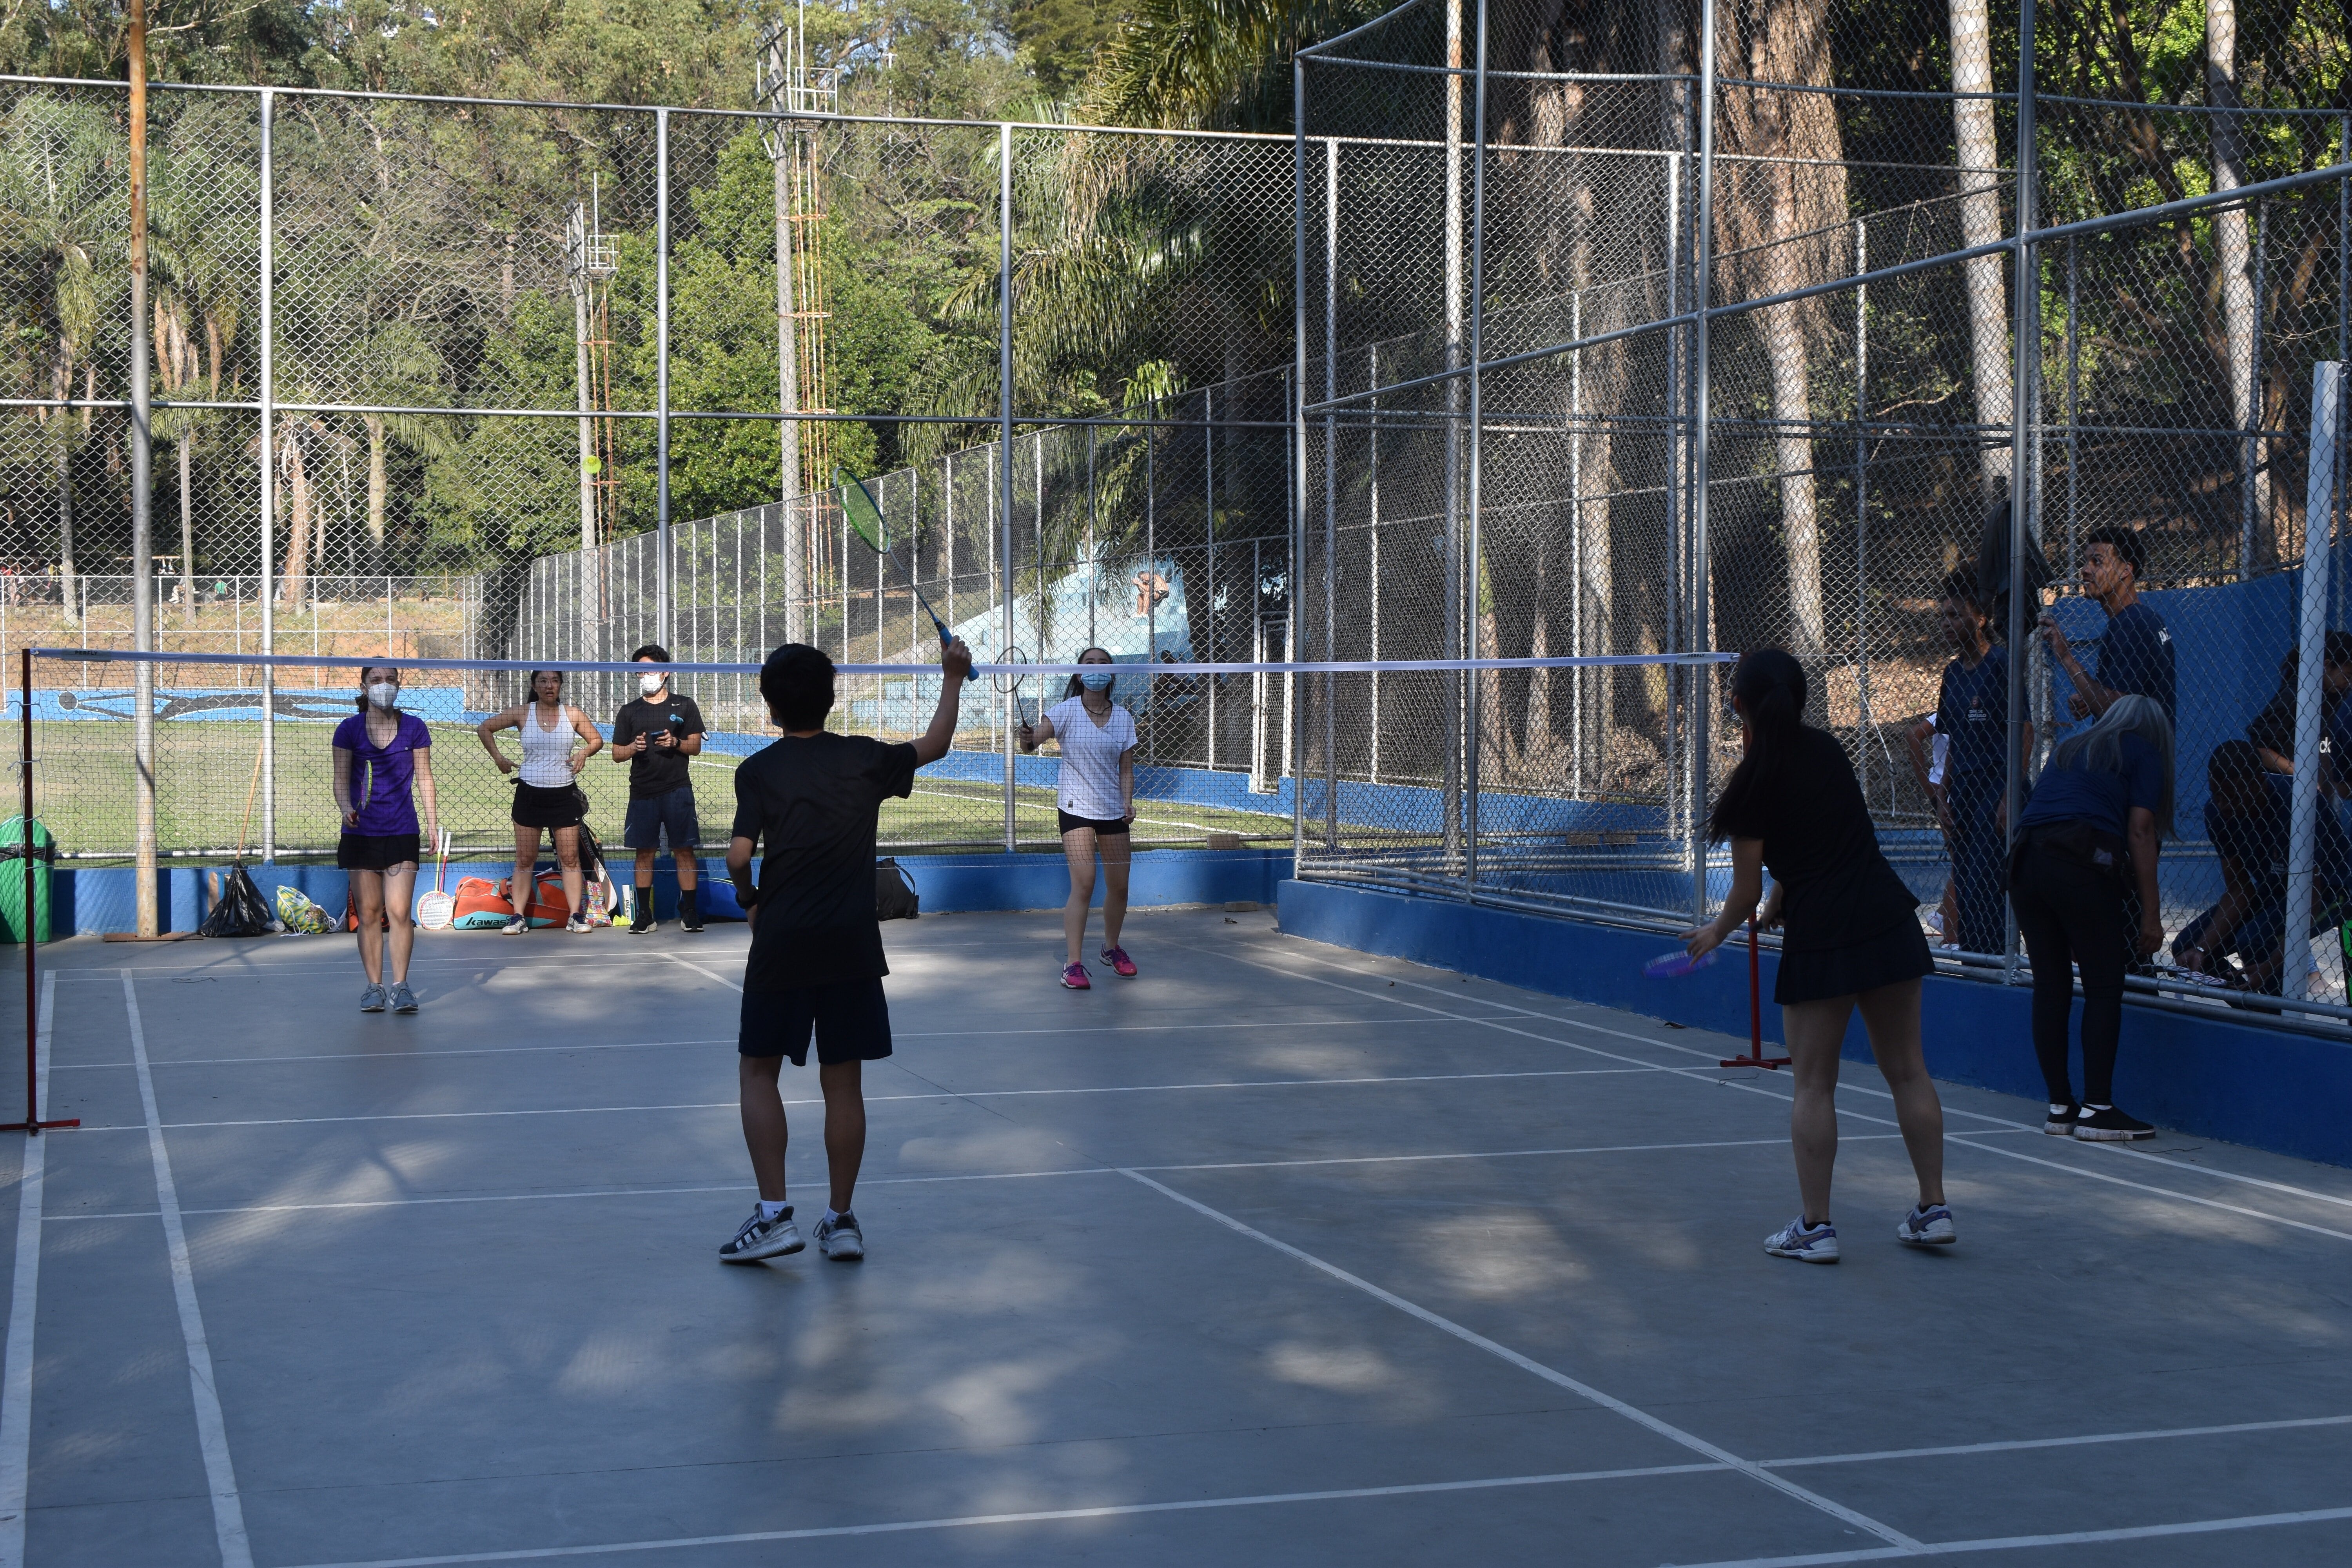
point(1770, 689)
point(1077, 685)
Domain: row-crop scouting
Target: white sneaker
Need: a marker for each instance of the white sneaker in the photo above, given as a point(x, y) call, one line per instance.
point(760, 1238)
point(1818, 1245)
point(840, 1239)
point(516, 925)
point(1928, 1228)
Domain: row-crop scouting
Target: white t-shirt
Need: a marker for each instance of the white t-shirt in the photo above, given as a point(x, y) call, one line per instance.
point(1090, 753)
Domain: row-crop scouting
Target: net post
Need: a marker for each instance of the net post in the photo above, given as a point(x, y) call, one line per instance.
point(32, 1124)
point(1004, 442)
point(1755, 1056)
point(264, 594)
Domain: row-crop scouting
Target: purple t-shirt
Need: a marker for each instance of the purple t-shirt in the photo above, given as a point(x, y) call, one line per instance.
point(383, 802)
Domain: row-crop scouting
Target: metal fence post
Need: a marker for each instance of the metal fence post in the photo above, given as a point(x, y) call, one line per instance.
point(1473, 571)
point(1004, 432)
point(142, 518)
point(2027, 362)
point(264, 592)
point(1330, 492)
point(2310, 695)
point(1702, 619)
point(1296, 499)
point(663, 614)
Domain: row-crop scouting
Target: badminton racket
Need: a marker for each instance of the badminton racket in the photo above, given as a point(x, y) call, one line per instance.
point(436, 909)
point(863, 516)
point(1673, 965)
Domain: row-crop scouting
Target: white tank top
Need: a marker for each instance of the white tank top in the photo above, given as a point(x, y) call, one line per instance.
point(546, 754)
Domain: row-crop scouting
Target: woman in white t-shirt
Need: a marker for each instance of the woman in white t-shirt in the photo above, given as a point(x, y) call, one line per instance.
point(1096, 794)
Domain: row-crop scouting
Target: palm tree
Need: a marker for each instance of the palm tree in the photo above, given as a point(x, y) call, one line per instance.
point(60, 199)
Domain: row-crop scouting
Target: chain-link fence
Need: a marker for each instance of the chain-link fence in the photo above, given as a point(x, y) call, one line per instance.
point(1652, 331)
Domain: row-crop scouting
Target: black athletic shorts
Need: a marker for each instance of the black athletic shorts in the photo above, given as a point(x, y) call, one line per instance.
point(376, 851)
point(851, 1021)
point(551, 807)
point(1105, 828)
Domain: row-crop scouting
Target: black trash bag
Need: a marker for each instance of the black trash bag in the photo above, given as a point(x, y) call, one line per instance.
point(895, 897)
point(1992, 566)
point(239, 912)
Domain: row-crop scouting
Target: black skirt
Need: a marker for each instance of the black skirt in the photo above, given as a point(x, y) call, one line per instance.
point(1900, 954)
point(376, 851)
point(560, 806)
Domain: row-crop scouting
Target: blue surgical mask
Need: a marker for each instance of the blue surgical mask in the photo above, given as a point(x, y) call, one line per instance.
point(1093, 682)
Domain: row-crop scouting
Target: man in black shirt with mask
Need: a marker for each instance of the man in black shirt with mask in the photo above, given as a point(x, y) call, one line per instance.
point(657, 734)
point(809, 805)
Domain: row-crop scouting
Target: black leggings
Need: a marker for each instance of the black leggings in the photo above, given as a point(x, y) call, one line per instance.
point(2070, 914)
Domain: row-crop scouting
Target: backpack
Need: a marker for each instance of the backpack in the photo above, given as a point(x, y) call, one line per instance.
point(481, 905)
point(895, 897)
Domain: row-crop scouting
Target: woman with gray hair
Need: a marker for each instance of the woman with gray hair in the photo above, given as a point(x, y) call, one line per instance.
point(2089, 834)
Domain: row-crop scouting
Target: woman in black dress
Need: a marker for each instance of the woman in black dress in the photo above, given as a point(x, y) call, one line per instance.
point(1851, 940)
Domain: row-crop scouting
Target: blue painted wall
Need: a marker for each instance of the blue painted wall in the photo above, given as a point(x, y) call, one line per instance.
point(2212, 1076)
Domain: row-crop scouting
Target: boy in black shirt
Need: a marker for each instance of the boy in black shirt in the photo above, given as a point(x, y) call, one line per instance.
point(654, 734)
point(809, 803)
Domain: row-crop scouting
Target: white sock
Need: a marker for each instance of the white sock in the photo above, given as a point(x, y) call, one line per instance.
point(769, 1211)
point(832, 1217)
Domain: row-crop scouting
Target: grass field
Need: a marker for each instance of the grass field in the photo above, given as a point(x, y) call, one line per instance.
point(83, 780)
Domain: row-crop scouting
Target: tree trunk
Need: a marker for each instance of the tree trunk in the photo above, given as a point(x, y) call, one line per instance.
point(1978, 156)
point(378, 485)
point(297, 521)
point(2236, 278)
point(187, 528)
point(1777, 221)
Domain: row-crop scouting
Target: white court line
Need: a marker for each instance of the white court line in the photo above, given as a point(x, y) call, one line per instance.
point(1962, 1139)
point(2016, 1444)
point(1673, 1434)
point(959, 1176)
point(730, 1039)
point(1038, 1516)
point(211, 1430)
point(882, 1099)
point(2003, 1123)
point(1113, 1510)
point(2021, 1543)
point(733, 985)
point(23, 1302)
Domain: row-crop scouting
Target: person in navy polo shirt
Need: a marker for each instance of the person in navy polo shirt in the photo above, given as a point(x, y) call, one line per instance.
point(2135, 651)
point(1972, 716)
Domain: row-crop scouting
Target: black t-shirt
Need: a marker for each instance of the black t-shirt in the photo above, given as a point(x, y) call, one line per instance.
point(1837, 890)
point(656, 771)
point(811, 805)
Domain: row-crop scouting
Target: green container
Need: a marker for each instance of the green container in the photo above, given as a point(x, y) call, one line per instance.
point(12, 879)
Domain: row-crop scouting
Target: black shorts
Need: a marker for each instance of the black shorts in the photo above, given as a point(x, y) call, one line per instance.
point(1824, 973)
point(558, 806)
point(851, 1020)
point(670, 816)
point(376, 851)
point(1105, 828)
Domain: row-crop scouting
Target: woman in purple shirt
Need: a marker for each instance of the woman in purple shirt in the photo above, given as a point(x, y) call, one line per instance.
point(386, 749)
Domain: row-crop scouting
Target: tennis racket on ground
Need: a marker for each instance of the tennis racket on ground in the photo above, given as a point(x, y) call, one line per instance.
point(865, 518)
point(436, 909)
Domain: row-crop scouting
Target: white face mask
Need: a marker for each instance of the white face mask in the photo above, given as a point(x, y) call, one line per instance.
point(649, 684)
point(383, 694)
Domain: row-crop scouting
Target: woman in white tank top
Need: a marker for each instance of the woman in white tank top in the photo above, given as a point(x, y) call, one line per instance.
point(1096, 794)
point(547, 794)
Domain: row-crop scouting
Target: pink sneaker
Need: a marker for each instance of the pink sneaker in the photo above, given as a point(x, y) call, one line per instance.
point(1118, 960)
point(1075, 977)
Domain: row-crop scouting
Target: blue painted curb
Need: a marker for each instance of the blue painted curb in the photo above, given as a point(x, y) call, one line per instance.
point(2214, 1077)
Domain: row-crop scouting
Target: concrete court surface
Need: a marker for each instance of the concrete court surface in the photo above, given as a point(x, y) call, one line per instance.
point(1277, 1254)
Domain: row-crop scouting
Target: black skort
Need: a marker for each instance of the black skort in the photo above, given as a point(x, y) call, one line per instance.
point(1105, 828)
point(1820, 974)
point(376, 851)
point(562, 806)
point(851, 1020)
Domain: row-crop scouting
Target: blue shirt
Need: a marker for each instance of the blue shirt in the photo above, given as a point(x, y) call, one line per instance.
point(2135, 657)
point(2258, 843)
point(2095, 796)
point(1972, 712)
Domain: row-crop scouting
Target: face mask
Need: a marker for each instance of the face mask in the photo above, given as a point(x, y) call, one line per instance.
point(1095, 682)
point(649, 684)
point(383, 694)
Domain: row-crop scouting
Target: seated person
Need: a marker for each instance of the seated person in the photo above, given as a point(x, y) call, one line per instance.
point(2272, 729)
point(2249, 816)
